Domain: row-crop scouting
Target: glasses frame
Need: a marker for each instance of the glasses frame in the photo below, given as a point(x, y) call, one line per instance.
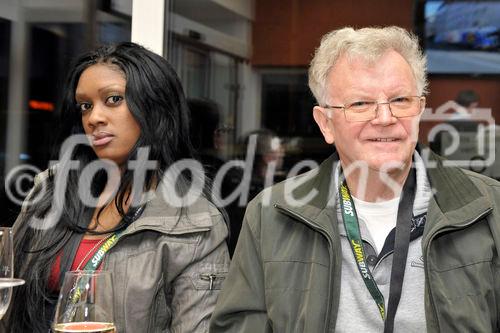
point(345, 107)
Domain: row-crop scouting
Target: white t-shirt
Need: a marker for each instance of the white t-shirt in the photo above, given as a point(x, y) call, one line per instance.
point(380, 218)
point(357, 311)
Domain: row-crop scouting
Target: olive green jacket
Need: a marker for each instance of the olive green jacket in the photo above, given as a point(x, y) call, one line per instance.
point(285, 275)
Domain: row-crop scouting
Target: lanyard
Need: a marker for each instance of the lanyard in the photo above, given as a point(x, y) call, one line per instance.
point(93, 265)
point(401, 244)
point(96, 259)
point(354, 236)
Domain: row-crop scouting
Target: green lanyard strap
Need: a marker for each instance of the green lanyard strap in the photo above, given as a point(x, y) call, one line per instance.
point(95, 261)
point(93, 264)
point(97, 258)
point(354, 236)
point(401, 244)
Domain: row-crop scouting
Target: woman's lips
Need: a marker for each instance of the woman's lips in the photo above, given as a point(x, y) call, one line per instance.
point(101, 139)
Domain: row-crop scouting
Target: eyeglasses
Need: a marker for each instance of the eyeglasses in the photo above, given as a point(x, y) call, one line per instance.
point(400, 107)
point(224, 129)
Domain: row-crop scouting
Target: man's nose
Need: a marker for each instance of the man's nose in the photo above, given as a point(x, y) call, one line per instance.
point(384, 114)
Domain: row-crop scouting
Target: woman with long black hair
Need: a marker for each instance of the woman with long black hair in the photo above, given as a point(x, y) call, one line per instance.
point(129, 172)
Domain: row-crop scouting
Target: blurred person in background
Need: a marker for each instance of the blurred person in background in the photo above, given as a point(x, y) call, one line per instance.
point(467, 98)
point(205, 134)
point(168, 260)
point(264, 151)
point(380, 237)
point(267, 165)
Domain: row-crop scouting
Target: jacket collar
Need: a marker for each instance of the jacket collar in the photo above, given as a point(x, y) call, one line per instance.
point(318, 186)
point(455, 195)
point(161, 216)
point(456, 200)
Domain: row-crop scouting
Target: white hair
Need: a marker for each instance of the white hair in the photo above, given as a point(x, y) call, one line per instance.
point(370, 44)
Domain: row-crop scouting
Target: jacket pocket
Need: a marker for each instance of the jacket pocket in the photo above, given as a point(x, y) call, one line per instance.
point(464, 298)
point(296, 294)
point(461, 248)
point(209, 277)
point(159, 311)
point(462, 279)
point(142, 289)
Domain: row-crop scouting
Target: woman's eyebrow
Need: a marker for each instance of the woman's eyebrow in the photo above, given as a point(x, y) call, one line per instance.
point(82, 95)
point(113, 86)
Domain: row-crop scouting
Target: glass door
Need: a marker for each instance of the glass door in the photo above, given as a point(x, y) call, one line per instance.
point(210, 75)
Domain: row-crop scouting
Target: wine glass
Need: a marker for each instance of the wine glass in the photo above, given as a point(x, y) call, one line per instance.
point(6, 269)
point(85, 303)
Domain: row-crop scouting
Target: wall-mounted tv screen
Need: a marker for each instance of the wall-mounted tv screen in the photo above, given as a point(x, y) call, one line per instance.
point(462, 37)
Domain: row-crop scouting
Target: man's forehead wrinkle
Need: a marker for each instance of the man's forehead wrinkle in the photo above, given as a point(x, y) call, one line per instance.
point(343, 78)
point(355, 77)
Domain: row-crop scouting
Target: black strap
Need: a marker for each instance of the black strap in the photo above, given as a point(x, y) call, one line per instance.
point(401, 245)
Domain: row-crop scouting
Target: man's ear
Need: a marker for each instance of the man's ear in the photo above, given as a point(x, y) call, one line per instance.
point(422, 104)
point(321, 116)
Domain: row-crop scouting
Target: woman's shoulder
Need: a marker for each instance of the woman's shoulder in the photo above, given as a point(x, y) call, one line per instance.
point(185, 217)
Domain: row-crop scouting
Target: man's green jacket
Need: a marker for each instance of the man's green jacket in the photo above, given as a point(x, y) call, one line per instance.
point(285, 274)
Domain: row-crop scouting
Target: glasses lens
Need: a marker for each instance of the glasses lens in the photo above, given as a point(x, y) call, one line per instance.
point(405, 106)
point(361, 111)
point(366, 115)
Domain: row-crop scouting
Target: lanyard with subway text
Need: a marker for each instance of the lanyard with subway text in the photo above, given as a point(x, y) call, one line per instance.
point(354, 236)
point(96, 259)
point(92, 265)
point(401, 244)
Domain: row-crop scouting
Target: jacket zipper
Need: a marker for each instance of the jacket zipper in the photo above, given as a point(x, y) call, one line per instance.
point(210, 278)
point(325, 234)
point(433, 235)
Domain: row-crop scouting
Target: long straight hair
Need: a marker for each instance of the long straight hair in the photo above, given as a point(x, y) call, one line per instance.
point(156, 100)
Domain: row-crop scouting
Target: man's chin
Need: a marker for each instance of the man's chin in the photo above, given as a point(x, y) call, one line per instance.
point(390, 166)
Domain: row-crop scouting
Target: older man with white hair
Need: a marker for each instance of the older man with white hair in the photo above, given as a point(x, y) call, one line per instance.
point(380, 237)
